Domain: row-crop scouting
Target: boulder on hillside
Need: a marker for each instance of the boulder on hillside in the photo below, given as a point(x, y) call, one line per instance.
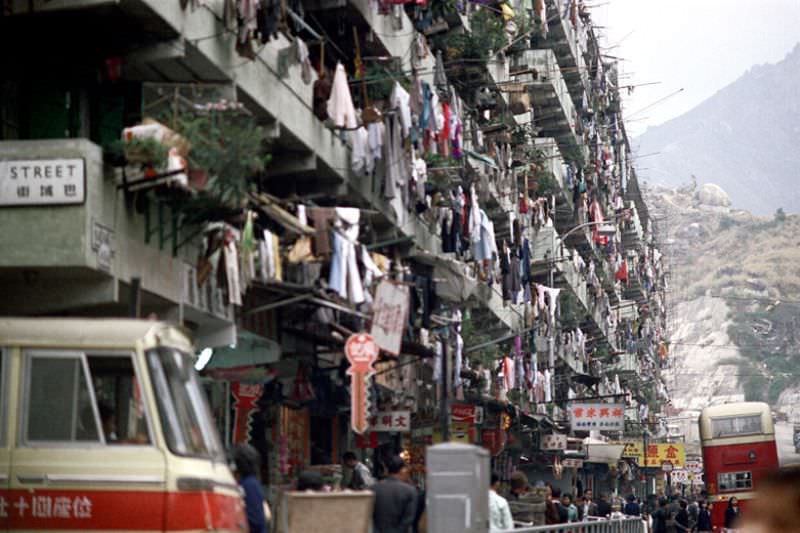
point(713, 196)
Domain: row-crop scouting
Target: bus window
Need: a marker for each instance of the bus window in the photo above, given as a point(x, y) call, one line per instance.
point(3, 401)
point(59, 406)
point(119, 399)
point(182, 405)
point(736, 425)
point(731, 481)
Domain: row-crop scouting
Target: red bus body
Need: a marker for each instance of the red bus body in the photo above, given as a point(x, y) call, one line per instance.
point(739, 448)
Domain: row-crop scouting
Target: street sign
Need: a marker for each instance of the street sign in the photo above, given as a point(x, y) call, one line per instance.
point(391, 421)
point(390, 313)
point(597, 416)
point(362, 352)
point(572, 463)
point(554, 442)
point(666, 466)
point(695, 467)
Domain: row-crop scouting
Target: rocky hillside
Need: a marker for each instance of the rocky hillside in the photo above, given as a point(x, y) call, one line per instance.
point(735, 298)
point(743, 138)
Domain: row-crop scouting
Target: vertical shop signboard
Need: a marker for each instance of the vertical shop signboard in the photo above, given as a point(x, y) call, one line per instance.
point(390, 315)
point(245, 398)
point(362, 352)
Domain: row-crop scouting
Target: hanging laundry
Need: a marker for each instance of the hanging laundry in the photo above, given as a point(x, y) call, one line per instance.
point(322, 218)
point(340, 105)
point(400, 101)
point(231, 258)
point(268, 15)
point(375, 135)
point(344, 277)
point(247, 22)
point(303, 59)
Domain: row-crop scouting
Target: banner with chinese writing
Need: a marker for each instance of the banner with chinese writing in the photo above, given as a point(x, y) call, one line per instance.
point(391, 421)
point(597, 416)
point(657, 453)
point(390, 313)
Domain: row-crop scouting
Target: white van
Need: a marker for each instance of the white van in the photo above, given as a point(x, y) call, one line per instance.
point(104, 427)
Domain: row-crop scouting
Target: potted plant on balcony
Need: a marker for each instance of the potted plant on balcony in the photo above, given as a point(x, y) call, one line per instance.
point(229, 148)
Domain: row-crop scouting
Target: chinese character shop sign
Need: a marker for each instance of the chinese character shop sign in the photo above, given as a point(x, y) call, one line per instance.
point(362, 352)
point(597, 416)
point(391, 421)
point(42, 182)
point(390, 315)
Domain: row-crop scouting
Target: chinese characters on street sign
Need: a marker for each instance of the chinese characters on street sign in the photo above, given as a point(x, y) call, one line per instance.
point(362, 352)
point(390, 421)
point(597, 416)
point(389, 315)
point(42, 182)
point(554, 442)
point(657, 453)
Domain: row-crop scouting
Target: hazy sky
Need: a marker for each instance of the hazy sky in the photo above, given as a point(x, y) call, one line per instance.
point(698, 45)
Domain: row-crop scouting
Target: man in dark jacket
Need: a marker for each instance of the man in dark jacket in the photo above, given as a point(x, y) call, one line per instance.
point(395, 500)
point(632, 508)
point(603, 506)
point(660, 517)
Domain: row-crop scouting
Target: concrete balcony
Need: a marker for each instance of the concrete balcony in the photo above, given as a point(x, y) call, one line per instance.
point(79, 255)
point(554, 164)
point(569, 42)
point(628, 363)
point(633, 233)
point(556, 113)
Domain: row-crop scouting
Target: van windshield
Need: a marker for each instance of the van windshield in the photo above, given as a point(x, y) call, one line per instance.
point(182, 406)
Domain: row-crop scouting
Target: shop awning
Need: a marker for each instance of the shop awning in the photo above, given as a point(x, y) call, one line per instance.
point(482, 158)
point(250, 350)
point(598, 451)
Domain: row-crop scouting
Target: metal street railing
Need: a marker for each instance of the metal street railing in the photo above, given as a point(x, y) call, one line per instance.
point(619, 525)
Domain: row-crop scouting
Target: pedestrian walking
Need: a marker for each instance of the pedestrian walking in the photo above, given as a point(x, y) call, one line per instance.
point(603, 506)
point(731, 514)
point(632, 508)
point(572, 510)
point(247, 461)
point(586, 507)
point(661, 516)
point(499, 512)
point(704, 518)
point(395, 500)
point(682, 518)
point(360, 475)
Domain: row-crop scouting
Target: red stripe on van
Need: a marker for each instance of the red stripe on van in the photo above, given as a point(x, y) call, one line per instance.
point(79, 510)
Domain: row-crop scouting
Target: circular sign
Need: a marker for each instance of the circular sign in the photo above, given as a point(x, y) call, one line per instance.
point(666, 466)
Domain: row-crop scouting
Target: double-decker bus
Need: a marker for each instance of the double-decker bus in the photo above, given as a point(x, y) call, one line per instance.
point(739, 448)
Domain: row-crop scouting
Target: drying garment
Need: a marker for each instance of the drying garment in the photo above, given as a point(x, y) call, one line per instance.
point(486, 247)
point(340, 104)
point(426, 117)
point(525, 258)
point(437, 362)
point(303, 59)
point(438, 115)
point(474, 218)
point(323, 220)
point(509, 379)
point(231, 256)
point(267, 18)
point(396, 173)
point(400, 100)
point(375, 134)
point(360, 159)
point(344, 276)
point(458, 360)
point(421, 177)
point(321, 93)
point(548, 386)
point(276, 257)
point(439, 77)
